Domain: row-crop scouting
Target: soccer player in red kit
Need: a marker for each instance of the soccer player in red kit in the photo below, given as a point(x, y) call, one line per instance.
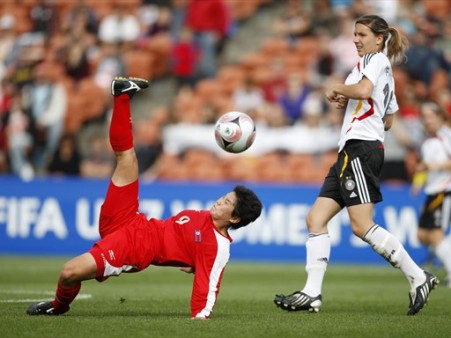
point(195, 241)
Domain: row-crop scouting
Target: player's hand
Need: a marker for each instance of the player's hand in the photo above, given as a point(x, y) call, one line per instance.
point(342, 101)
point(421, 166)
point(187, 269)
point(331, 95)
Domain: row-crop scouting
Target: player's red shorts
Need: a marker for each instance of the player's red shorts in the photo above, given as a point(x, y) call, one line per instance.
point(129, 242)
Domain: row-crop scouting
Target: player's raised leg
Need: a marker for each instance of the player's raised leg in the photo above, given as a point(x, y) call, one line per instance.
point(121, 137)
point(121, 200)
point(84, 267)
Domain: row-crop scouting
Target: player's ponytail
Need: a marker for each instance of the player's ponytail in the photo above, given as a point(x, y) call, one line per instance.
point(395, 44)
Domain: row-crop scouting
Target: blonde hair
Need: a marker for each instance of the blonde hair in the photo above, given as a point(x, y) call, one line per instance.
point(396, 44)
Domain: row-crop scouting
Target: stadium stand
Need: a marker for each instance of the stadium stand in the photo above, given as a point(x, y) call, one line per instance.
point(198, 106)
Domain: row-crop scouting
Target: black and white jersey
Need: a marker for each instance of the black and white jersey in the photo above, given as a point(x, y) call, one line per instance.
point(364, 119)
point(437, 149)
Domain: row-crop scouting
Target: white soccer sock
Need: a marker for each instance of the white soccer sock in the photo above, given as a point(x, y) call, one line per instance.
point(318, 252)
point(443, 252)
point(389, 247)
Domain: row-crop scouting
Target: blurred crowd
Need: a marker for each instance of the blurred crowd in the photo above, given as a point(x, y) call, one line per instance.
point(58, 57)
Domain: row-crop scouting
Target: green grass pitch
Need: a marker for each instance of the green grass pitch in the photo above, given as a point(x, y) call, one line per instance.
point(358, 301)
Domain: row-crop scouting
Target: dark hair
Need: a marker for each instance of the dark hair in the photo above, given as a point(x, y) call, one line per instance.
point(397, 43)
point(248, 206)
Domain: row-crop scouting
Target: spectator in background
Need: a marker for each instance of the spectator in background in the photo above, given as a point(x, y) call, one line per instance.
point(28, 51)
point(162, 24)
point(7, 90)
point(314, 109)
point(66, 159)
point(407, 15)
point(387, 8)
point(6, 98)
point(423, 62)
point(269, 114)
point(178, 16)
point(340, 4)
point(82, 12)
point(74, 56)
point(110, 63)
point(248, 97)
point(44, 15)
point(7, 37)
point(148, 146)
point(3, 162)
point(185, 56)
point(74, 53)
point(20, 141)
point(410, 112)
point(342, 46)
point(443, 42)
point(325, 62)
point(48, 105)
point(276, 84)
point(98, 161)
point(444, 99)
point(295, 23)
point(147, 14)
point(210, 21)
point(397, 142)
point(323, 17)
point(119, 27)
point(293, 99)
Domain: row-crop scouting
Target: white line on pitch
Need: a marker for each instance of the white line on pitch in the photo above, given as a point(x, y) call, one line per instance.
point(27, 292)
point(80, 296)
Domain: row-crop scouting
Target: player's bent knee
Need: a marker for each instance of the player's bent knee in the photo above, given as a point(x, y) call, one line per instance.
point(74, 272)
point(69, 275)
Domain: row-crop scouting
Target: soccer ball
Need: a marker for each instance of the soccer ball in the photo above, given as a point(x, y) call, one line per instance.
point(235, 132)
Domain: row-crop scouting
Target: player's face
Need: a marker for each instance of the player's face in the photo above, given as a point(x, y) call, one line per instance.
point(431, 120)
point(223, 207)
point(365, 40)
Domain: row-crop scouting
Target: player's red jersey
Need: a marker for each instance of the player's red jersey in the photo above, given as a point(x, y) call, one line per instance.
point(130, 243)
point(190, 238)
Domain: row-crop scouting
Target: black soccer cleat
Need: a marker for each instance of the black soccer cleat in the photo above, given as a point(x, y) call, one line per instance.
point(127, 85)
point(299, 301)
point(44, 308)
point(419, 296)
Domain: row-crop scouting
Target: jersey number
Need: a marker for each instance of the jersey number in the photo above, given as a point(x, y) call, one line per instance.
point(388, 95)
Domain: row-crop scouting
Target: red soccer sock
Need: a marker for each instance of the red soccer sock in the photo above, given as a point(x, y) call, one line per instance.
point(65, 296)
point(121, 137)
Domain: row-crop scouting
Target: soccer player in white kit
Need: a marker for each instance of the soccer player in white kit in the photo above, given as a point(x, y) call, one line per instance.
point(353, 181)
point(436, 163)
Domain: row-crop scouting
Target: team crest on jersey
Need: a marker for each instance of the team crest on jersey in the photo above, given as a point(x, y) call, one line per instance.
point(197, 236)
point(349, 184)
